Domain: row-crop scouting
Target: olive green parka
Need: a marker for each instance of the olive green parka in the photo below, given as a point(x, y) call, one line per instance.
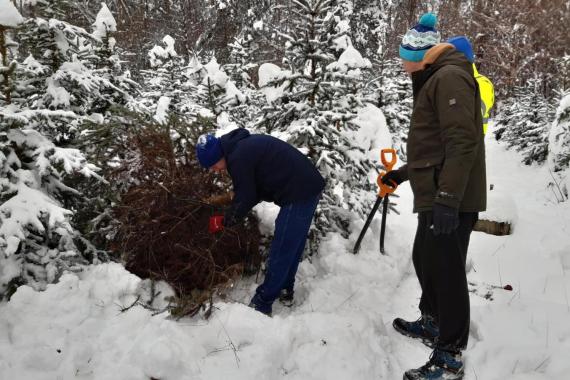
point(445, 147)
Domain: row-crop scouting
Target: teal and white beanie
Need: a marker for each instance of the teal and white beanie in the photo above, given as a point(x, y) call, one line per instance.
point(419, 39)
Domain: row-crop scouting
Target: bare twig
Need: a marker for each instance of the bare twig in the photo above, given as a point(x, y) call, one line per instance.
point(542, 363)
point(123, 308)
point(230, 342)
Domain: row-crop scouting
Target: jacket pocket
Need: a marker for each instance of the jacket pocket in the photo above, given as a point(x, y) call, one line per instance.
point(423, 176)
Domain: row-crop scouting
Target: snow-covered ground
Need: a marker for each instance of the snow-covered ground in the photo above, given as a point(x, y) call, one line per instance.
point(340, 327)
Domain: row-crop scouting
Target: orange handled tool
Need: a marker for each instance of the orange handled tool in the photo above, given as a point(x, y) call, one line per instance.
point(385, 190)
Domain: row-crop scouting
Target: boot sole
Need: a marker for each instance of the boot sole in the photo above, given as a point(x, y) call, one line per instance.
point(460, 377)
point(427, 342)
point(287, 303)
point(409, 378)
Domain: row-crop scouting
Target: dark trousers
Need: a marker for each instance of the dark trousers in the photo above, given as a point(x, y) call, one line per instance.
point(440, 266)
point(291, 231)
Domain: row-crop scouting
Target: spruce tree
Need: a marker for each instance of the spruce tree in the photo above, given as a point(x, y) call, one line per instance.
point(107, 62)
point(56, 89)
point(523, 122)
point(164, 85)
point(559, 137)
point(241, 64)
point(391, 91)
point(195, 93)
point(9, 19)
point(320, 91)
point(242, 70)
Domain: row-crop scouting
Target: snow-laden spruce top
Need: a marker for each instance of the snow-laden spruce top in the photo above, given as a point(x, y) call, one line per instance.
point(9, 15)
point(350, 59)
point(268, 73)
point(159, 53)
point(215, 74)
point(104, 23)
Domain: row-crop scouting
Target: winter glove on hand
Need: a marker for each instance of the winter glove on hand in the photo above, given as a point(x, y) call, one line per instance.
point(393, 176)
point(216, 224)
point(219, 199)
point(445, 219)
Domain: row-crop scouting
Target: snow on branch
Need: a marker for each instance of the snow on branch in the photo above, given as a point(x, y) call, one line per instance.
point(104, 23)
point(9, 15)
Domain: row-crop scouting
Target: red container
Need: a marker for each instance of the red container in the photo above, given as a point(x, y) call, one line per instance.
point(216, 224)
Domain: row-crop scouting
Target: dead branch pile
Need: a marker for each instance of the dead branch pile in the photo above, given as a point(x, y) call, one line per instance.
point(163, 231)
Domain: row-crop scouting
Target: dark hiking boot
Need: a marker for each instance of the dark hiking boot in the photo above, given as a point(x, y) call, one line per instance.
point(287, 297)
point(260, 306)
point(442, 365)
point(423, 329)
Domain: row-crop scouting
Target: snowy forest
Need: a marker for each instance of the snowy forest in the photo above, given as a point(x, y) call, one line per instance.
point(107, 267)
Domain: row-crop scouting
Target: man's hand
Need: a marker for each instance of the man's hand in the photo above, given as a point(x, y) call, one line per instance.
point(216, 224)
point(393, 176)
point(445, 219)
point(220, 199)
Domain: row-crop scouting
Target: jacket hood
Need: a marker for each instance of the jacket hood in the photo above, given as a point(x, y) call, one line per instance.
point(230, 140)
point(437, 57)
point(445, 54)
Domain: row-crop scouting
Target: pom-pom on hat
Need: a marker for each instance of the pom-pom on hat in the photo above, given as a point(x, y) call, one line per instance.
point(419, 39)
point(209, 150)
point(463, 45)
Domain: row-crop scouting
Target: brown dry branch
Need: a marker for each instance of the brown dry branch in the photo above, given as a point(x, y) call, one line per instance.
point(163, 233)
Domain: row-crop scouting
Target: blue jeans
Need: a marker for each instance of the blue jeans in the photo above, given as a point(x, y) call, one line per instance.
point(291, 231)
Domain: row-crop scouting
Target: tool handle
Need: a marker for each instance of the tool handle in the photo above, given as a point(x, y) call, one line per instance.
point(383, 225)
point(366, 225)
point(388, 164)
point(385, 188)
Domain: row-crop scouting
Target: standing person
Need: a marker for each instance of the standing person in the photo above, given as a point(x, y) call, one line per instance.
point(264, 168)
point(486, 88)
point(446, 170)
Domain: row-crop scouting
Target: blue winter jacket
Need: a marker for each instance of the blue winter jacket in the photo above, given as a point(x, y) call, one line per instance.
point(264, 168)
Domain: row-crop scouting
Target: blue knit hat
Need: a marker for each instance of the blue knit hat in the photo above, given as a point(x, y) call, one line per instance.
point(419, 39)
point(463, 45)
point(209, 150)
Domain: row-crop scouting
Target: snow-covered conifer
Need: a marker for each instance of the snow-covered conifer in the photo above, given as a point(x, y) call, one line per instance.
point(169, 84)
point(241, 65)
point(559, 136)
point(523, 122)
point(107, 61)
point(218, 92)
point(313, 100)
point(242, 70)
point(55, 89)
point(9, 18)
point(559, 146)
point(391, 91)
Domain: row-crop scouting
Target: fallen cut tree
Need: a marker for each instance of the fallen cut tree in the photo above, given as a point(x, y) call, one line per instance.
point(163, 224)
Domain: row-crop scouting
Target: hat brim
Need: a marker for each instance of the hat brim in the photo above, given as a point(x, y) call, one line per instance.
point(412, 55)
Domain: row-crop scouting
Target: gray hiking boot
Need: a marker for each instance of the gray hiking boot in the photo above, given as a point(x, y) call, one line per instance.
point(287, 297)
point(442, 365)
point(423, 329)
